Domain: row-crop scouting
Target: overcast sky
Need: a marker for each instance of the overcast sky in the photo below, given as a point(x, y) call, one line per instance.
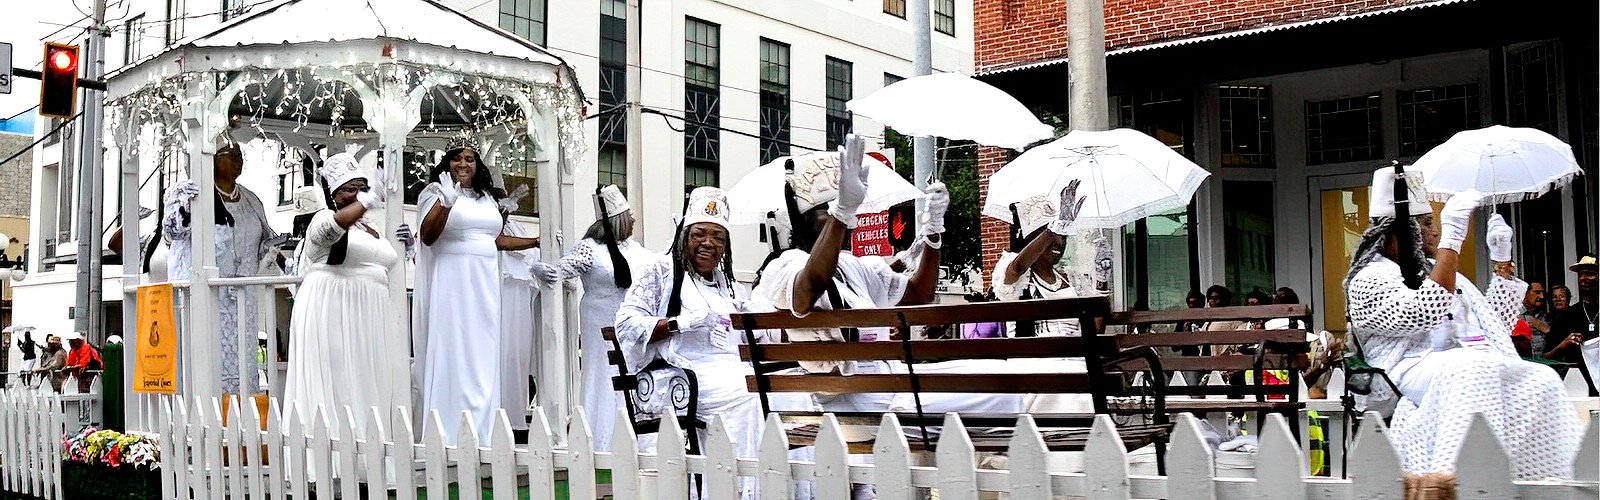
point(24, 24)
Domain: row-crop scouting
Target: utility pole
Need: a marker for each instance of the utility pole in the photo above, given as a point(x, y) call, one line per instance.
point(91, 192)
point(635, 117)
point(919, 14)
point(1086, 64)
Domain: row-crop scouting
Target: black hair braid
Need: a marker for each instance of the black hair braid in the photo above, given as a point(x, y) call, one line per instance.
point(622, 274)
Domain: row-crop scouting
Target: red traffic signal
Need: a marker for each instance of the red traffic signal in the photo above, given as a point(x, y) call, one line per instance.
point(58, 83)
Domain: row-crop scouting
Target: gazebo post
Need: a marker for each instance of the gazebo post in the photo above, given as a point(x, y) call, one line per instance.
point(132, 260)
point(556, 392)
point(200, 342)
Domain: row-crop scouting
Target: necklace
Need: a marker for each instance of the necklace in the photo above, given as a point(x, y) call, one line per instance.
point(229, 196)
point(1586, 315)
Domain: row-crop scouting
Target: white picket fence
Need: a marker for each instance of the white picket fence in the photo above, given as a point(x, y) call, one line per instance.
point(201, 459)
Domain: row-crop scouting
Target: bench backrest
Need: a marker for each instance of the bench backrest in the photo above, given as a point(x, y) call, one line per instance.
point(1284, 349)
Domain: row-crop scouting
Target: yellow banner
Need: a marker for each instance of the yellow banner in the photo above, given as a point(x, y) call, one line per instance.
point(156, 346)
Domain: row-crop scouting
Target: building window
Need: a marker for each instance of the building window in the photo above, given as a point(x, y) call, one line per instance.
point(176, 10)
point(891, 79)
point(518, 168)
point(944, 16)
point(1248, 221)
point(53, 136)
point(613, 127)
point(1246, 114)
point(896, 8)
point(839, 92)
point(774, 100)
point(1161, 114)
point(232, 8)
point(1161, 262)
point(525, 18)
point(701, 103)
point(133, 33)
point(1346, 129)
point(1533, 85)
point(1429, 116)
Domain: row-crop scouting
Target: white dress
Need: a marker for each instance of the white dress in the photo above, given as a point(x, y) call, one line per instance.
point(519, 323)
point(337, 338)
point(456, 312)
point(1030, 283)
point(590, 261)
point(239, 251)
point(712, 353)
point(1451, 356)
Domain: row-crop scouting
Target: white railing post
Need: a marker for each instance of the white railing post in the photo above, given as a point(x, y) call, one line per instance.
point(468, 480)
point(1191, 469)
point(624, 457)
point(1374, 465)
point(433, 453)
point(274, 442)
point(252, 450)
point(503, 458)
point(580, 451)
point(772, 461)
point(348, 477)
point(830, 478)
point(722, 464)
point(957, 461)
point(1029, 461)
point(891, 460)
point(1105, 462)
point(542, 455)
point(672, 466)
point(1280, 464)
point(377, 472)
point(405, 454)
point(1483, 469)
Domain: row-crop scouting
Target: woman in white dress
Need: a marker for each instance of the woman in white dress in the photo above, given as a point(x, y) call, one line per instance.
point(245, 244)
point(1030, 272)
point(457, 306)
point(337, 333)
point(608, 261)
point(679, 312)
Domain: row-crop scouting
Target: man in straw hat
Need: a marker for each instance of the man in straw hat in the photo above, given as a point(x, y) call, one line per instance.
point(1447, 345)
point(1577, 324)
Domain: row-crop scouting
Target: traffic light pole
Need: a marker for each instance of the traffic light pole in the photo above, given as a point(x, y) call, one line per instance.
point(91, 189)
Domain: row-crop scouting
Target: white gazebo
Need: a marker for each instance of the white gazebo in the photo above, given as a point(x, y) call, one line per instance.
point(396, 74)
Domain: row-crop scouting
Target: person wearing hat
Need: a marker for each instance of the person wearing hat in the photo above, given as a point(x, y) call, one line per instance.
point(1445, 344)
point(81, 359)
point(456, 313)
point(336, 330)
point(245, 245)
point(608, 262)
point(1029, 272)
point(52, 361)
point(677, 312)
point(1578, 323)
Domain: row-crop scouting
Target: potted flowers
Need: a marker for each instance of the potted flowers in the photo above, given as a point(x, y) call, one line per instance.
point(106, 464)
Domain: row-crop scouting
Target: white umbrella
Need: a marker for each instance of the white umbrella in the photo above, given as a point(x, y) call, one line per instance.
point(1125, 176)
point(761, 190)
point(1506, 164)
point(953, 106)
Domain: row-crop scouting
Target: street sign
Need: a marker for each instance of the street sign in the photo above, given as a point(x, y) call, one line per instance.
point(5, 68)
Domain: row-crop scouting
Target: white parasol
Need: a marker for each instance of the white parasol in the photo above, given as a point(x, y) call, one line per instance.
point(1506, 164)
point(1125, 176)
point(953, 106)
point(761, 190)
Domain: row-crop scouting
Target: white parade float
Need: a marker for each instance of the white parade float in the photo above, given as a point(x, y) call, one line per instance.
point(333, 73)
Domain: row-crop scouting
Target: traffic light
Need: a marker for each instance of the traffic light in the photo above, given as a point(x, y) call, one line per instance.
point(58, 83)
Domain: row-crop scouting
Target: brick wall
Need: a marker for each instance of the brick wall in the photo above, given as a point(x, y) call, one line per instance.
point(16, 177)
point(995, 233)
point(1010, 32)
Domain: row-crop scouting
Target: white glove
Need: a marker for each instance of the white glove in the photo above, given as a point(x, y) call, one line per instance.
point(1499, 237)
point(852, 182)
point(561, 240)
point(1102, 260)
point(448, 192)
point(370, 199)
point(546, 273)
point(1455, 218)
point(184, 193)
point(405, 237)
point(1070, 205)
point(938, 202)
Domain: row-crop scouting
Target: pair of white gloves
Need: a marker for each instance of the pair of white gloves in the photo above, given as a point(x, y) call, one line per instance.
point(1456, 217)
point(853, 192)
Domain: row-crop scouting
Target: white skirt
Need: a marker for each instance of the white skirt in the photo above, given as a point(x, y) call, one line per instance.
point(337, 354)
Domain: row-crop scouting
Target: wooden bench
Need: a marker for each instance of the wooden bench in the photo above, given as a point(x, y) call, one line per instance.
point(1106, 376)
point(1276, 349)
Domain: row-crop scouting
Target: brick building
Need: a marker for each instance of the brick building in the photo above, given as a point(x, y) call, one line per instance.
point(1291, 104)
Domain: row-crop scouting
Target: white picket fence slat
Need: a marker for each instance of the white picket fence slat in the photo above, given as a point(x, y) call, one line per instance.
point(331, 454)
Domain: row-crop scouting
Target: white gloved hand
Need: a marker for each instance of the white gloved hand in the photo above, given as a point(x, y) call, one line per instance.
point(546, 273)
point(184, 193)
point(1456, 218)
point(938, 202)
point(405, 237)
point(1499, 237)
point(561, 240)
point(448, 191)
point(370, 199)
point(852, 182)
point(1070, 204)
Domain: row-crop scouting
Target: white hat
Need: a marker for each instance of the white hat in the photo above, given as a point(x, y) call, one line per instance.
point(339, 169)
point(1034, 212)
point(815, 179)
point(612, 201)
point(706, 204)
point(308, 200)
point(1380, 198)
point(70, 336)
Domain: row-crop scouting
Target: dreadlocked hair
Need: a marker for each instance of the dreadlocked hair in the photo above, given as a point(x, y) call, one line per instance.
point(1376, 237)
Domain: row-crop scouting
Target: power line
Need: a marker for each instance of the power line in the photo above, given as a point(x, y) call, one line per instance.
point(41, 138)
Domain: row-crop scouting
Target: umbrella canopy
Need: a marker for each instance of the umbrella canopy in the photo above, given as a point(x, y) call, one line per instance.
point(1506, 164)
point(953, 106)
point(761, 190)
point(1125, 176)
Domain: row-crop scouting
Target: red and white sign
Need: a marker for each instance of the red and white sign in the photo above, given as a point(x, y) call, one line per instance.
point(871, 236)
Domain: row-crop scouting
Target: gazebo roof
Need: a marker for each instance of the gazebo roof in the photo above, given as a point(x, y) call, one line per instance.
point(424, 21)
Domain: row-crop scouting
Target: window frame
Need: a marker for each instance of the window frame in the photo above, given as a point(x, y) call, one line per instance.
point(944, 16)
point(508, 19)
point(838, 119)
point(775, 99)
point(702, 77)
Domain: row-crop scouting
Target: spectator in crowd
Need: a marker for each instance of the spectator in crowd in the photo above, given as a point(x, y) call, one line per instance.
point(1220, 296)
point(1576, 323)
point(1194, 300)
point(54, 359)
point(82, 359)
point(1536, 316)
point(30, 353)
